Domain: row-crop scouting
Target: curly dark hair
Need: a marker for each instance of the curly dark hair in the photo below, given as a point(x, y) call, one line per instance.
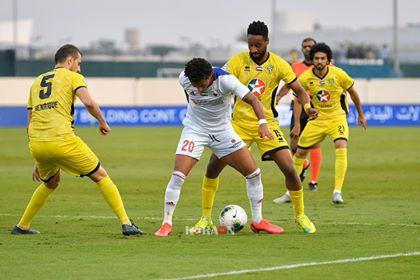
point(321, 47)
point(258, 28)
point(66, 51)
point(198, 69)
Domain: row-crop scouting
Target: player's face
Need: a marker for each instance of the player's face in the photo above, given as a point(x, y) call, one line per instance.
point(203, 84)
point(257, 46)
point(306, 49)
point(74, 63)
point(320, 60)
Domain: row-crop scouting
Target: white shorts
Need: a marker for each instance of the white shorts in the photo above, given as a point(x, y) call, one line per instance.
point(192, 142)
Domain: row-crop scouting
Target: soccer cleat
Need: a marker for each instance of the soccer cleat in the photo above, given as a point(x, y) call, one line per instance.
point(305, 168)
point(285, 198)
point(337, 198)
point(265, 225)
point(306, 224)
point(165, 230)
point(130, 229)
point(313, 186)
point(17, 231)
point(203, 227)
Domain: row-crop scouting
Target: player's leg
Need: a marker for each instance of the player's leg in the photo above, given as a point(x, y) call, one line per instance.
point(37, 201)
point(316, 160)
point(190, 147)
point(76, 158)
point(210, 185)
point(47, 172)
point(340, 132)
point(112, 196)
point(209, 188)
point(242, 161)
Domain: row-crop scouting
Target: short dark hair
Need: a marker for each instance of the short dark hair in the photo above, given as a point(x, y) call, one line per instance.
point(198, 69)
point(66, 51)
point(321, 47)
point(258, 28)
point(308, 39)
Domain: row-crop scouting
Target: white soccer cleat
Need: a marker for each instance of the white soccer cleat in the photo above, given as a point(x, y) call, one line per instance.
point(337, 198)
point(285, 198)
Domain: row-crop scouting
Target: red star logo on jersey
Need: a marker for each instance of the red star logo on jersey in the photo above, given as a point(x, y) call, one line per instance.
point(323, 96)
point(256, 87)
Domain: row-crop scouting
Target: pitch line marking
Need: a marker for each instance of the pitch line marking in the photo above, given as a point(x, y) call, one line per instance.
point(189, 219)
point(291, 266)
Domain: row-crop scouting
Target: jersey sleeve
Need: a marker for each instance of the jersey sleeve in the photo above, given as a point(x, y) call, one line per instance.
point(287, 74)
point(29, 107)
point(231, 66)
point(78, 82)
point(346, 81)
point(232, 84)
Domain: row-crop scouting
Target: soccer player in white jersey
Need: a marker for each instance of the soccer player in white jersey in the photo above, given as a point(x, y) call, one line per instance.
point(207, 123)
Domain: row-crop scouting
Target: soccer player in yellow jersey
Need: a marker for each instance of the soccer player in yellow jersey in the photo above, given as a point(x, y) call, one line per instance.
point(327, 88)
point(262, 72)
point(53, 143)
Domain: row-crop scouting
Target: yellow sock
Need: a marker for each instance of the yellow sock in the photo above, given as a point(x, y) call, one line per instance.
point(340, 167)
point(38, 199)
point(208, 191)
point(298, 163)
point(112, 196)
point(297, 200)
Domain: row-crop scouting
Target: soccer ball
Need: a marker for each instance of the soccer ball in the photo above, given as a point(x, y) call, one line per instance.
point(233, 218)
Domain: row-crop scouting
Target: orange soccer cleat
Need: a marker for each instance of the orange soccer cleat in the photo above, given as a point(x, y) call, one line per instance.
point(265, 225)
point(165, 230)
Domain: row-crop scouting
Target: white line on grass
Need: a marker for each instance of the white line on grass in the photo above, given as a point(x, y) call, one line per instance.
point(291, 266)
point(190, 219)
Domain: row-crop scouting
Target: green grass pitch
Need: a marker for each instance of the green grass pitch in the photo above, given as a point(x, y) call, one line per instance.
point(81, 238)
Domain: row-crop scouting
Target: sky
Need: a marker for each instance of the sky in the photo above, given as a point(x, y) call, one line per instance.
point(183, 21)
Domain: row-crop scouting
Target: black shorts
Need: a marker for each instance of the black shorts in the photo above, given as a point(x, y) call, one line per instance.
point(303, 119)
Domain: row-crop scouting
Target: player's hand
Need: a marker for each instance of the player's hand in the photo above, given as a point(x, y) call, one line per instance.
point(265, 132)
point(35, 175)
point(104, 128)
point(295, 132)
point(361, 120)
point(312, 113)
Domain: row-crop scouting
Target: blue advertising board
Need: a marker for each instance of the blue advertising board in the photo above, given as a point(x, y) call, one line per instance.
point(376, 115)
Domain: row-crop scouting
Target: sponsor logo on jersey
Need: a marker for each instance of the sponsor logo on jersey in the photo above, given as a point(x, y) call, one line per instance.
point(256, 87)
point(247, 68)
point(323, 96)
point(259, 68)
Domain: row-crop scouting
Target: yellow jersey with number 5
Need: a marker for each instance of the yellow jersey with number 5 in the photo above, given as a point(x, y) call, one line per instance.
point(51, 101)
point(262, 80)
point(328, 93)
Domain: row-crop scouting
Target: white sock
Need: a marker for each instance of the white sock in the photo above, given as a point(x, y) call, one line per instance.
point(173, 191)
point(254, 188)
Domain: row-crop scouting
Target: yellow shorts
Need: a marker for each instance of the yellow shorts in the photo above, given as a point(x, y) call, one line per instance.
point(72, 155)
point(316, 130)
point(266, 147)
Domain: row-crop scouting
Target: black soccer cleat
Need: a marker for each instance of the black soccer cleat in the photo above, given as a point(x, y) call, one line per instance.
point(17, 231)
point(131, 229)
point(302, 174)
point(313, 186)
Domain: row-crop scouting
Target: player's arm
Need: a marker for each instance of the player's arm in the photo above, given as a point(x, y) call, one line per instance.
point(297, 111)
point(303, 98)
point(284, 90)
point(259, 111)
point(93, 109)
point(361, 119)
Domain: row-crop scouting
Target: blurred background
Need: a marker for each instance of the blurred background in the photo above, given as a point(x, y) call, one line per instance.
point(138, 48)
